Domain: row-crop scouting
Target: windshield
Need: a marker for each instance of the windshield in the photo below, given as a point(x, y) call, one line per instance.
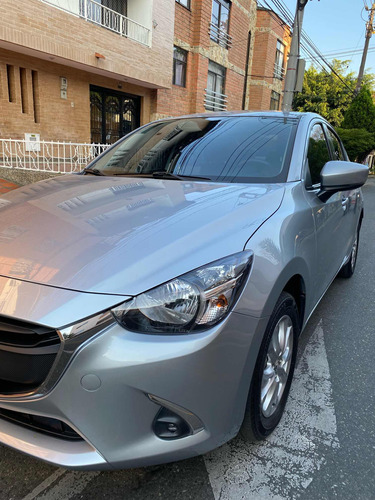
point(229, 149)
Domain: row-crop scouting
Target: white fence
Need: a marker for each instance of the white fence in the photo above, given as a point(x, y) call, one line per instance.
point(48, 156)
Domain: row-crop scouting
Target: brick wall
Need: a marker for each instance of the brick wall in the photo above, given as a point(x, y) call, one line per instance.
point(269, 29)
point(43, 111)
point(31, 25)
point(192, 34)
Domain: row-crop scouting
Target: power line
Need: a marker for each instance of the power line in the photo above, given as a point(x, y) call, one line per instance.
point(280, 5)
point(343, 54)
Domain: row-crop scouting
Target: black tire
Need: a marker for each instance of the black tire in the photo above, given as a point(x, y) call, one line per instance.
point(256, 426)
point(348, 269)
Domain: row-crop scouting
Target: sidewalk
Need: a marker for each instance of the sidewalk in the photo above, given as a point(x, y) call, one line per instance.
point(6, 186)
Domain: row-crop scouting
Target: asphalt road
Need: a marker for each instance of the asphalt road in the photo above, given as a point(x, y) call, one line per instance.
point(324, 448)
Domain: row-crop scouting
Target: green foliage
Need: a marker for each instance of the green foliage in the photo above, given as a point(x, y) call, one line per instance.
point(325, 94)
point(361, 112)
point(357, 142)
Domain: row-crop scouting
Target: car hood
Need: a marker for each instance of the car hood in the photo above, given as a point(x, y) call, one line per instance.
point(125, 235)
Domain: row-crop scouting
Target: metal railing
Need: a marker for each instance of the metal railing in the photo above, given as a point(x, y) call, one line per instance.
point(219, 36)
point(107, 18)
point(279, 71)
point(214, 101)
point(103, 16)
point(48, 156)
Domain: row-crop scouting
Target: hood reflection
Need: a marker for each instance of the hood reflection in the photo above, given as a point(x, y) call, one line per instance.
point(54, 231)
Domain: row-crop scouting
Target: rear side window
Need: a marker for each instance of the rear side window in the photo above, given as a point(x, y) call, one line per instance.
point(338, 153)
point(317, 155)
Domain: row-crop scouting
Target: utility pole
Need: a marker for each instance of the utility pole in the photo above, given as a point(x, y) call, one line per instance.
point(291, 70)
point(369, 32)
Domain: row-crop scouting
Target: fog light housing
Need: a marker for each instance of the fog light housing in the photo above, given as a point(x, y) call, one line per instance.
point(169, 425)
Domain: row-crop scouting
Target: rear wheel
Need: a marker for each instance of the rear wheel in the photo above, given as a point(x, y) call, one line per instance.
point(347, 270)
point(273, 371)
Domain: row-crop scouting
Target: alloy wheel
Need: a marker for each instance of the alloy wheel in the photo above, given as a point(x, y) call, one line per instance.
point(277, 366)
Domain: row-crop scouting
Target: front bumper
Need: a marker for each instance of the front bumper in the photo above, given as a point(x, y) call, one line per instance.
point(104, 395)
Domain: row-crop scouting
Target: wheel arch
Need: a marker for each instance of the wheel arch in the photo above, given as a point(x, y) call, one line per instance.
point(294, 279)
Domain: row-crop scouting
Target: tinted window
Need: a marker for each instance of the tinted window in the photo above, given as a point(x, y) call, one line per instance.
point(338, 153)
point(236, 149)
point(318, 153)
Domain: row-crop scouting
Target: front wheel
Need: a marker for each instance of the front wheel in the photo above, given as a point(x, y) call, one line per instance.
point(273, 371)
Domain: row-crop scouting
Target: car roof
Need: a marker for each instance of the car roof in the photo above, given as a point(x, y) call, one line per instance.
point(261, 114)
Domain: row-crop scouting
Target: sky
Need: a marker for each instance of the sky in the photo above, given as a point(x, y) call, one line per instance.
point(336, 25)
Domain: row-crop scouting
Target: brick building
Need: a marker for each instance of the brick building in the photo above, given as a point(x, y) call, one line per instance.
point(227, 55)
point(272, 40)
point(92, 70)
point(81, 70)
point(213, 41)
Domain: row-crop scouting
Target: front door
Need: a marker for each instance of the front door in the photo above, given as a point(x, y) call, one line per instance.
point(113, 114)
point(330, 217)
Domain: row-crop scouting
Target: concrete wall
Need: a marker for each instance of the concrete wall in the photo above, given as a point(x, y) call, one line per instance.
point(141, 11)
point(23, 177)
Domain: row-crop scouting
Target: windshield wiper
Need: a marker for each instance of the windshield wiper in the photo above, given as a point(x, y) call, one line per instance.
point(169, 175)
point(93, 171)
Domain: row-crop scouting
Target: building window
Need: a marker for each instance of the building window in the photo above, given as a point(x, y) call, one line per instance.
point(220, 22)
point(279, 71)
point(275, 101)
point(179, 66)
point(215, 99)
point(185, 3)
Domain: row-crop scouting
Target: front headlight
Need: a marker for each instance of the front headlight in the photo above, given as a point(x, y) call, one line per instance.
point(192, 302)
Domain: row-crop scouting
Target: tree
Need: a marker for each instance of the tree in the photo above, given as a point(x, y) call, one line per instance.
point(357, 142)
point(361, 112)
point(327, 94)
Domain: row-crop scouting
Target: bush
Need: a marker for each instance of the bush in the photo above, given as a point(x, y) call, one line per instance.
point(361, 112)
point(358, 142)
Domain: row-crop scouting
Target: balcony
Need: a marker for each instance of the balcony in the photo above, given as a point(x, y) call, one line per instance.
point(279, 72)
point(105, 17)
point(219, 36)
point(214, 101)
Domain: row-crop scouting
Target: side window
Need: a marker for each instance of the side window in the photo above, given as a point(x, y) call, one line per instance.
point(338, 153)
point(317, 154)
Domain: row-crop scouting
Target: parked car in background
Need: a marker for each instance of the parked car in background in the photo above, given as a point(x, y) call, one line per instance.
point(151, 306)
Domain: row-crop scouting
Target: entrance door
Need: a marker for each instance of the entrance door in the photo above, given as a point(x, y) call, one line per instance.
point(113, 114)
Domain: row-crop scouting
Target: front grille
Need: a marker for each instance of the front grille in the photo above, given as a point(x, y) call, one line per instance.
point(45, 425)
point(27, 353)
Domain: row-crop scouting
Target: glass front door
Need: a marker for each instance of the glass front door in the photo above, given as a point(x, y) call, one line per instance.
point(113, 114)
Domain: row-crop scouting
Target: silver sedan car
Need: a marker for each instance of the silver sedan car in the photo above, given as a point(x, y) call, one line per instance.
point(150, 306)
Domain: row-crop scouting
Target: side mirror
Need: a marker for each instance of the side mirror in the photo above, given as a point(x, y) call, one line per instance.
point(341, 176)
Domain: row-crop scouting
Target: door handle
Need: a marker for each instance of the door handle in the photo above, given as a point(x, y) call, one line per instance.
point(344, 202)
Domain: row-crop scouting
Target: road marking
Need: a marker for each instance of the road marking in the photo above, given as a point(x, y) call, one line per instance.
point(45, 484)
point(286, 462)
point(71, 484)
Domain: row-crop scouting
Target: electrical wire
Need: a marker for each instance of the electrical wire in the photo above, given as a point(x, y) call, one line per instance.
point(280, 5)
point(343, 54)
